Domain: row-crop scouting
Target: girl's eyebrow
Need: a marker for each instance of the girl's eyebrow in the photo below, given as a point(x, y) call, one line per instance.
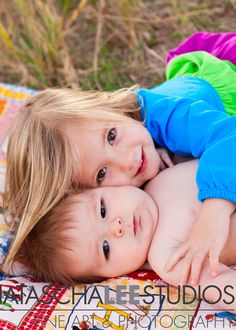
point(104, 135)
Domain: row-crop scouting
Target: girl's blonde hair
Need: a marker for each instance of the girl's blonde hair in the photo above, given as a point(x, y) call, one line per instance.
point(41, 161)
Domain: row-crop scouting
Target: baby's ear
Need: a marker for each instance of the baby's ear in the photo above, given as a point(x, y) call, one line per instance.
point(21, 259)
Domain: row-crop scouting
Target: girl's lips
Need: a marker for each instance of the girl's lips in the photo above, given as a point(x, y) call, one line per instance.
point(143, 163)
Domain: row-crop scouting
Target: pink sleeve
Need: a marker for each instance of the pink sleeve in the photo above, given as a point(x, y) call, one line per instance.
point(221, 45)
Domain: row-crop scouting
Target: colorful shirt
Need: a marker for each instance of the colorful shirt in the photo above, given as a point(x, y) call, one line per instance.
point(220, 74)
point(187, 116)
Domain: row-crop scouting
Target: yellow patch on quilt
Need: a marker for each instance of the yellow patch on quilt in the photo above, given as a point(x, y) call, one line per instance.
point(19, 96)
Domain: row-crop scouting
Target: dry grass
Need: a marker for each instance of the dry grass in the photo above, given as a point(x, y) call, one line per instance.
point(103, 44)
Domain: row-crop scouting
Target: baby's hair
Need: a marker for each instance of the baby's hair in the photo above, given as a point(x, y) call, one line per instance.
point(46, 245)
point(41, 159)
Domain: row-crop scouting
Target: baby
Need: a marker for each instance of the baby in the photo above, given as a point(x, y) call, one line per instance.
point(110, 231)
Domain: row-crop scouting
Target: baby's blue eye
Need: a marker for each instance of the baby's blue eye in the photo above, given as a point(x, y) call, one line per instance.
point(103, 209)
point(106, 249)
point(111, 136)
point(101, 175)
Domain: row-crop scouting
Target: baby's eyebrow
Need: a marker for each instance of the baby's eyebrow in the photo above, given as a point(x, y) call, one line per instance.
point(97, 254)
point(90, 204)
point(97, 257)
point(93, 205)
point(95, 198)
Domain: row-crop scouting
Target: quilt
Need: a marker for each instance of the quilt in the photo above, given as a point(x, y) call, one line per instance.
point(140, 300)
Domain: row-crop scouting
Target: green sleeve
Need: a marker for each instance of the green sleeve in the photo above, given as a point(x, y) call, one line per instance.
point(219, 73)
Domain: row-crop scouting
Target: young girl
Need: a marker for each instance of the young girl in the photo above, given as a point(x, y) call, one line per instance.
point(65, 138)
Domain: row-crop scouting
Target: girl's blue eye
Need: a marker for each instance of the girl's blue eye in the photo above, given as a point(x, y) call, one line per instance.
point(103, 209)
point(111, 136)
point(106, 249)
point(101, 175)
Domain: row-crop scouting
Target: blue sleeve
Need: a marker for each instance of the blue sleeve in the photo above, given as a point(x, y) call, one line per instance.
point(216, 171)
point(190, 127)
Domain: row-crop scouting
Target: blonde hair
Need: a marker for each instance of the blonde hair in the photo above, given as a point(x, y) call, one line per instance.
point(45, 248)
point(41, 160)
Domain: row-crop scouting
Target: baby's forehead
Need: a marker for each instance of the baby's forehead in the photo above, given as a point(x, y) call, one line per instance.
point(90, 195)
point(84, 202)
point(85, 206)
point(82, 208)
point(83, 197)
point(76, 216)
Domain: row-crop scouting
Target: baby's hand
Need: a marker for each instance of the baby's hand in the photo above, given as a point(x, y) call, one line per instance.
point(165, 158)
point(207, 238)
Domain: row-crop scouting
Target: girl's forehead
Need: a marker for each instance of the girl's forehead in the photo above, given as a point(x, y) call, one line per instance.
point(100, 123)
point(86, 125)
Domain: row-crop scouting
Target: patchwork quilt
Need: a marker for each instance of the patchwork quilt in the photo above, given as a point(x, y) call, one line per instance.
point(140, 300)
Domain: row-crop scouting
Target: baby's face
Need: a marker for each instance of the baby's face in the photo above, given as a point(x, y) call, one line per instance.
point(114, 154)
point(111, 233)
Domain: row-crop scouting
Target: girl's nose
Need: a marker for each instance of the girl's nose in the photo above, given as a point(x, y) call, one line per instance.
point(117, 227)
point(126, 166)
point(125, 162)
point(121, 158)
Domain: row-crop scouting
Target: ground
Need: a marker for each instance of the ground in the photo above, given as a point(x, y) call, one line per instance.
point(105, 44)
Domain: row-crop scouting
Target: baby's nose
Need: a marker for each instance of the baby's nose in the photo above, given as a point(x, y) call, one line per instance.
point(117, 227)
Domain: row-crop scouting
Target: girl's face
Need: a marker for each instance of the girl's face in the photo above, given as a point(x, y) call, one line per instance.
point(114, 154)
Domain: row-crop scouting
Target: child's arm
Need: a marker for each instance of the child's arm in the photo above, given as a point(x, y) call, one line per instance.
point(169, 160)
point(207, 238)
point(166, 160)
point(221, 45)
point(207, 133)
point(214, 285)
point(220, 74)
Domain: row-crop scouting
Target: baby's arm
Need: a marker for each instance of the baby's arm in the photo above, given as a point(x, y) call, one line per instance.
point(203, 130)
